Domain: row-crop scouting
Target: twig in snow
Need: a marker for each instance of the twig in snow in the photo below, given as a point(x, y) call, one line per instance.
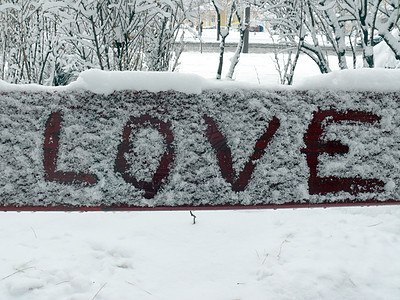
point(34, 232)
point(194, 217)
point(66, 281)
point(265, 258)
point(140, 288)
point(280, 249)
point(258, 78)
point(373, 225)
point(285, 241)
point(265, 255)
point(352, 282)
point(16, 272)
point(99, 291)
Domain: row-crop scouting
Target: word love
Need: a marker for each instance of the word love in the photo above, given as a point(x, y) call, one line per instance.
point(314, 141)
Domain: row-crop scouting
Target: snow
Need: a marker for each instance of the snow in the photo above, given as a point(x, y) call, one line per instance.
point(367, 80)
point(102, 82)
point(335, 253)
point(253, 73)
point(384, 56)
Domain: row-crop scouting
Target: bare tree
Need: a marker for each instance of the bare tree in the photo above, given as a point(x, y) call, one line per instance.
point(333, 29)
point(293, 22)
point(242, 30)
point(224, 32)
point(390, 19)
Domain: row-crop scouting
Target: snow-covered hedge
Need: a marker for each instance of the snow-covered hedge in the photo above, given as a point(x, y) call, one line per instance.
point(73, 147)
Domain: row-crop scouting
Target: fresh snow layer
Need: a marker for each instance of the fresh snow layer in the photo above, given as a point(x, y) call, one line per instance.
point(378, 79)
point(336, 253)
point(106, 82)
point(103, 82)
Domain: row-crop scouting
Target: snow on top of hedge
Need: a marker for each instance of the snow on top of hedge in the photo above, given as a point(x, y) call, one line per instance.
point(106, 82)
point(103, 82)
point(377, 80)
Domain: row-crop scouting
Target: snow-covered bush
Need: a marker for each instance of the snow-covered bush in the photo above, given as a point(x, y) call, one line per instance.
point(51, 42)
point(384, 56)
point(140, 148)
point(309, 26)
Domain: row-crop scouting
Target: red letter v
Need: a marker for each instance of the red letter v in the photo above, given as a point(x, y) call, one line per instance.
point(223, 152)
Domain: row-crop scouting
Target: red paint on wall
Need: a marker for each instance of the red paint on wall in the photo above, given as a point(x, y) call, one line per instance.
point(122, 166)
point(50, 155)
point(224, 157)
point(316, 146)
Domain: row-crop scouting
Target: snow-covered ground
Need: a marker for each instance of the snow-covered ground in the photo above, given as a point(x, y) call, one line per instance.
point(254, 68)
point(335, 253)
